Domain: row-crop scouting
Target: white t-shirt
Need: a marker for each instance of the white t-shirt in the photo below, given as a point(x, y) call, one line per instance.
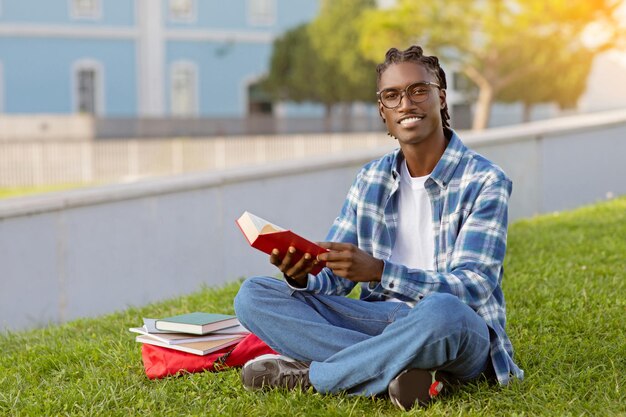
point(415, 238)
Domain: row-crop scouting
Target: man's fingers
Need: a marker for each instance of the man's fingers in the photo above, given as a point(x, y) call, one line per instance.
point(335, 245)
point(302, 267)
point(283, 263)
point(286, 263)
point(335, 255)
point(274, 259)
point(338, 266)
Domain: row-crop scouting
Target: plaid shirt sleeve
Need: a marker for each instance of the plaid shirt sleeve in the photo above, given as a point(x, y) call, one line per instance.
point(475, 261)
point(344, 229)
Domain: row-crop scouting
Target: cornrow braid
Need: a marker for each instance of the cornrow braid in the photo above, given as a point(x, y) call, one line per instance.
point(415, 54)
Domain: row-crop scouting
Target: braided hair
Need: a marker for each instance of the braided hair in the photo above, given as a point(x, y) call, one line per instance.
point(430, 63)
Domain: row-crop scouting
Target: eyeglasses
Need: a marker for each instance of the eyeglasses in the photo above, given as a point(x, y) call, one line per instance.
point(416, 92)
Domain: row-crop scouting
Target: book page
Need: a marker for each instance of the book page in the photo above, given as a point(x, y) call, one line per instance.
point(263, 226)
point(270, 228)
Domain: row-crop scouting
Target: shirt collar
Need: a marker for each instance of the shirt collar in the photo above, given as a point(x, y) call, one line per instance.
point(450, 160)
point(444, 170)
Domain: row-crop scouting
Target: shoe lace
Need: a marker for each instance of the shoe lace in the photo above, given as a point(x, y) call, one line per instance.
point(298, 374)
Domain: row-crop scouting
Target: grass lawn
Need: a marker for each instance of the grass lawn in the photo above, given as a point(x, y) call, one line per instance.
point(566, 297)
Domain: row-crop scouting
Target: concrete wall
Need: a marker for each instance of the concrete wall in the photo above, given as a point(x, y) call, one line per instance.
point(46, 128)
point(88, 252)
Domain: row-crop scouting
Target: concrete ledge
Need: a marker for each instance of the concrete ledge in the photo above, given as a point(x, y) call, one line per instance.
point(547, 128)
point(54, 201)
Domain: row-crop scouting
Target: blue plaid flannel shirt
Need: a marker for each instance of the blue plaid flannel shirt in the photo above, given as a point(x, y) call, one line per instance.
point(469, 197)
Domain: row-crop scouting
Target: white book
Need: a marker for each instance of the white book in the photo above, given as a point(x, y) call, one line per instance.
point(196, 348)
point(178, 338)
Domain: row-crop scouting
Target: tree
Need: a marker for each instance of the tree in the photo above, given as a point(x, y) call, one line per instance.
point(495, 43)
point(320, 61)
point(298, 74)
point(562, 84)
point(335, 36)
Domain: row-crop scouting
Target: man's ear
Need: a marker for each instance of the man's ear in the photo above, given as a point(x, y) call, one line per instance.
point(381, 113)
point(442, 98)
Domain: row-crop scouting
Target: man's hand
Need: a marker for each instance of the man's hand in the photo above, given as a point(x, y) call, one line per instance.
point(350, 262)
point(298, 271)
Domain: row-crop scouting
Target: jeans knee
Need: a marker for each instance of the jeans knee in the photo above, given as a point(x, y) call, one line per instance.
point(445, 311)
point(442, 300)
point(246, 298)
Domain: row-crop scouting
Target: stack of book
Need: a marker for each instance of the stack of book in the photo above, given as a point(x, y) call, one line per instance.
point(197, 333)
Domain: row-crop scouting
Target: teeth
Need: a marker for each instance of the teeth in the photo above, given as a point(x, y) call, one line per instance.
point(410, 120)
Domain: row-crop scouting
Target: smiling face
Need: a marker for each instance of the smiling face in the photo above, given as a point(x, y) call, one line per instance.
point(413, 123)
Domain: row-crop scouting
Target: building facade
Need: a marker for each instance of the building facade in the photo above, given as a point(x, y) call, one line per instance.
point(140, 58)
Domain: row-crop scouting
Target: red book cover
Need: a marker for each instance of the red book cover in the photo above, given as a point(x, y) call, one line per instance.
point(266, 236)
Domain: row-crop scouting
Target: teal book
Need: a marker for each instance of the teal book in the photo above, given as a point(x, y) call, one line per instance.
point(197, 323)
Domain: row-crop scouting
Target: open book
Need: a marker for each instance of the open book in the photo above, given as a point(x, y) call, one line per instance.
point(266, 236)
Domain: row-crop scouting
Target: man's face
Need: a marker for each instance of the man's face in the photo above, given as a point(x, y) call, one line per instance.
point(412, 123)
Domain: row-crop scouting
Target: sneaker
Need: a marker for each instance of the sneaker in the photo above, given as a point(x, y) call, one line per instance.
point(275, 371)
point(415, 386)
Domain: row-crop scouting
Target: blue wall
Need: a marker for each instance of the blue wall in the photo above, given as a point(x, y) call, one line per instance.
point(233, 15)
point(38, 67)
point(222, 72)
point(294, 12)
point(40, 81)
point(55, 12)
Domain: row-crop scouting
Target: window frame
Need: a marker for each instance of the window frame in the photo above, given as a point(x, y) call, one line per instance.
point(99, 88)
point(94, 14)
point(175, 18)
point(194, 101)
point(256, 19)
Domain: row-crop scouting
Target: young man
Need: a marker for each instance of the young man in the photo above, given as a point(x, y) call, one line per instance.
point(423, 230)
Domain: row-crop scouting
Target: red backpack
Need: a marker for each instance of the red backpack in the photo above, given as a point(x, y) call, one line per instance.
point(160, 362)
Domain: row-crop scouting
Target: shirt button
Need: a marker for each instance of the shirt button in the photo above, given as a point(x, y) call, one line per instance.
point(391, 285)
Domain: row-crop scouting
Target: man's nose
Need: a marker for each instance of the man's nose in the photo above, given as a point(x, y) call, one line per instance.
point(405, 101)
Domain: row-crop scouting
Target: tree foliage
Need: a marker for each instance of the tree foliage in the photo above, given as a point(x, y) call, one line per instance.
point(503, 46)
point(559, 75)
point(320, 61)
point(296, 73)
point(335, 35)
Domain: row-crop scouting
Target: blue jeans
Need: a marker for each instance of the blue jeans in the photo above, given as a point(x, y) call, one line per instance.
point(360, 346)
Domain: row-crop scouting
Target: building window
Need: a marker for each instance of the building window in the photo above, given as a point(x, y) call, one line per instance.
point(88, 88)
point(85, 9)
point(182, 10)
point(87, 91)
point(184, 89)
point(261, 12)
point(259, 100)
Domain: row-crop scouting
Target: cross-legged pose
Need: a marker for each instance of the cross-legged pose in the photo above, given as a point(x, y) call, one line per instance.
point(423, 231)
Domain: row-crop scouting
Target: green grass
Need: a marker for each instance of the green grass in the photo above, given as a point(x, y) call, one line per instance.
point(23, 191)
point(566, 297)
